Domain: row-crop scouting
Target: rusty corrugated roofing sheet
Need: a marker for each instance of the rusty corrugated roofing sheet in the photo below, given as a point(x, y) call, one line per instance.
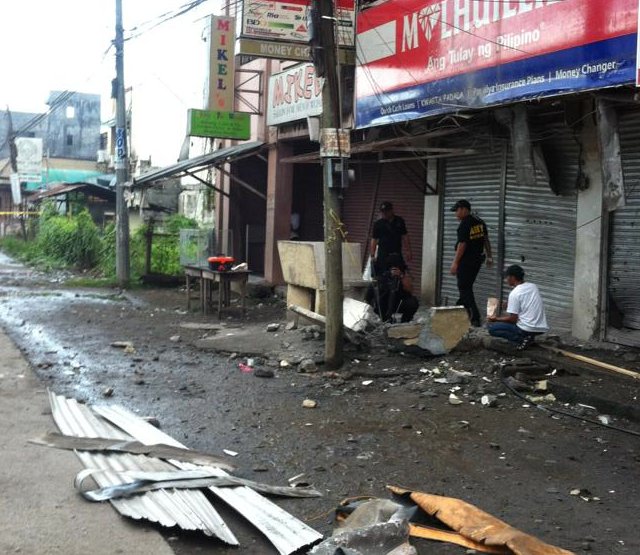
point(287, 533)
point(188, 509)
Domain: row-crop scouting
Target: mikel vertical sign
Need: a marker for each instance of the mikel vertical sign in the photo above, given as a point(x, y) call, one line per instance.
point(221, 70)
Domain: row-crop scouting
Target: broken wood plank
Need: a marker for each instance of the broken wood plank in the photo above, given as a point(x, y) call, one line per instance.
point(593, 362)
point(436, 534)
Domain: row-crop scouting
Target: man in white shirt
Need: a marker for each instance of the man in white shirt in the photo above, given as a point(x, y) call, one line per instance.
point(525, 316)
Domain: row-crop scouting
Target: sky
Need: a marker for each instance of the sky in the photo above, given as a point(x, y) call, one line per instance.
point(60, 45)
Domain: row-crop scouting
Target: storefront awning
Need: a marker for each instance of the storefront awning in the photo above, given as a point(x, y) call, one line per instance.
point(199, 163)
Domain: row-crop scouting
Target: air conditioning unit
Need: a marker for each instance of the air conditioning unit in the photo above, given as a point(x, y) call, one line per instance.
point(102, 156)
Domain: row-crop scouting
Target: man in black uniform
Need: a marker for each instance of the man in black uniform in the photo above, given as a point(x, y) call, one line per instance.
point(389, 237)
point(473, 242)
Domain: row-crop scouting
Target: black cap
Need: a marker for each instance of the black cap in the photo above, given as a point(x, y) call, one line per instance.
point(462, 203)
point(515, 271)
point(386, 206)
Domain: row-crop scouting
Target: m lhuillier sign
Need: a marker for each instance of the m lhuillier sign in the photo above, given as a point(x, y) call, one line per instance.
point(294, 94)
point(437, 57)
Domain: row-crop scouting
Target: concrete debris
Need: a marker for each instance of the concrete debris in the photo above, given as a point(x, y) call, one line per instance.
point(122, 344)
point(230, 452)
point(309, 404)
point(358, 316)
point(129, 350)
point(440, 331)
point(489, 401)
point(541, 386)
point(263, 373)
point(307, 366)
point(274, 327)
point(291, 325)
point(367, 382)
point(199, 326)
point(604, 419)
point(284, 364)
point(454, 399)
point(549, 398)
point(175, 338)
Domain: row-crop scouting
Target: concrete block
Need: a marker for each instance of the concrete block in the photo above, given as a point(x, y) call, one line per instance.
point(437, 333)
point(300, 296)
point(357, 315)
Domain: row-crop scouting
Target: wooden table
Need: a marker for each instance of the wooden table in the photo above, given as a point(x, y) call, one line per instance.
point(208, 277)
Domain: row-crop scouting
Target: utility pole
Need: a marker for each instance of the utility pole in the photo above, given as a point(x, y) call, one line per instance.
point(122, 159)
point(325, 60)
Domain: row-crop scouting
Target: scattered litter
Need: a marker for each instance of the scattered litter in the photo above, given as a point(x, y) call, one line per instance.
point(108, 392)
point(549, 398)
point(424, 371)
point(175, 338)
point(309, 404)
point(441, 380)
point(152, 420)
point(129, 350)
point(489, 401)
point(488, 380)
point(307, 366)
point(284, 364)
point(263, 373)
point(296, 478)
point(273, 327)
point(250, 362)
point(367, 382)
point(541, 386)
point(584, 494)
point(245, 367)
point(454, 399)
point(230, 452)
point(587, 406)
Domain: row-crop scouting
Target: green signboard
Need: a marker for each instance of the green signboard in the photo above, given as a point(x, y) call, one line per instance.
point(220, 125)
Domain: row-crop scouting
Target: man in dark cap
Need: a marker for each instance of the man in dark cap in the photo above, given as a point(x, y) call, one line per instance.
point(525, 317)
point(472, 247)
point(389, 236)
point(394, 293)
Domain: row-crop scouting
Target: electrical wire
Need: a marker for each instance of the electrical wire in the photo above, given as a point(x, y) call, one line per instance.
point(562, 412)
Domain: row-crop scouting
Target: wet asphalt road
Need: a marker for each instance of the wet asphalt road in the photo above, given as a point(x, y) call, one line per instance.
point(514, 462)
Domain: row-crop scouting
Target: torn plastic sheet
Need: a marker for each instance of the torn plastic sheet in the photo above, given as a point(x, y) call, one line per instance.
point(159, 451)
point(136, 482)
point(475, 524)
point(388, 538)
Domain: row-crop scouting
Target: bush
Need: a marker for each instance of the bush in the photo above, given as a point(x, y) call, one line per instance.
point(68, 240)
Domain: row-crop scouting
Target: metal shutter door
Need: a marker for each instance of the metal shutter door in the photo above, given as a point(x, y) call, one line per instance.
point(540, 228)
point(478, 179)
point(399, 185)
point(624, 250)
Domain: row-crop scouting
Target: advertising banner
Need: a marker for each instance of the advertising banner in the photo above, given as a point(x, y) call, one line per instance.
point(423, 57)
point(221, 66)
point(294, 94)
point(219, 125)
point(287, 21)
point(29, 159)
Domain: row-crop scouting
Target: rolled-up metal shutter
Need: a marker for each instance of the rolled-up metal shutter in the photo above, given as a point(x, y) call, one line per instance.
point(478, 179)
point(624, 257)
point(540, 226)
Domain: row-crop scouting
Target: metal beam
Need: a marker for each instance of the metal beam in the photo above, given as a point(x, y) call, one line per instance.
point(210, 185)
point(243, 183)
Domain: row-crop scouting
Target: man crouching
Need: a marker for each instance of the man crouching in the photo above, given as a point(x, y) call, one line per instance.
point(525, 317)
point(393, 291)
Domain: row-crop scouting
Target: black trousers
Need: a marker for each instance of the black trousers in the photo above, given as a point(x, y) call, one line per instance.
point(466, 277)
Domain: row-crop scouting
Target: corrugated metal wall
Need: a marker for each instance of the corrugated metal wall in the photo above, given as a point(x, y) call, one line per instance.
point(624, 258)
point(403, 185)
point(478, 179)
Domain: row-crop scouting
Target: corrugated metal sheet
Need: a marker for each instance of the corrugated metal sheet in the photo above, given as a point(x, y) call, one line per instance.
point(478, 179)
point(287, 533)
point(188, 509)
point(540, 227)
point(624, 258)
point(400, 183)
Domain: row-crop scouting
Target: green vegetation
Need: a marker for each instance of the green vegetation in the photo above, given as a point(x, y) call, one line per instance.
point(75, 242)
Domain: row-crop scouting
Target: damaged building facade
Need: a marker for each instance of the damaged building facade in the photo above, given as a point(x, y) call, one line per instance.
point(528, 110)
